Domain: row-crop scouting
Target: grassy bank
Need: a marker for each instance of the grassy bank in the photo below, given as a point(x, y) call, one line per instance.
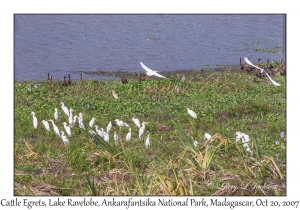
point(225, 102)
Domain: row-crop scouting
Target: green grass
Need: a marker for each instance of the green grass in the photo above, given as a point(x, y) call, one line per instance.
point(225, 102)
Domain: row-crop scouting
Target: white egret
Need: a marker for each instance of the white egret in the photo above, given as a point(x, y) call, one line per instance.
point(121, 123)
point(262, 71)
point(100, 133)
point(81, 125)
point(150, 72)
point(245, 139)
point(56, 116)
point(91, 124)
point(65, 109)
point(128, 135)
point(207, 136)
point(141, 131)
point(92, 132)
point(67, 128)
point(147, 144)
point(75, 118)
point(145, 123)
point(106, 136)
point(192, 113)
point(46, 124)
point(137, 122)
point(195, 143)
point(71, 120)
point(64, 138)
point(116, 137)
point(55, 128)
point(115, 95)
point(35, 121)
point(109, 126)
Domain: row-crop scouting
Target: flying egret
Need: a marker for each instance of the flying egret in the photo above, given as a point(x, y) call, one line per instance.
point(91, 124)
point(262, 71)
point(64, 138)
point(150, 72)
point(35, 121)
point(128, 136)
point(109, 126)
point(56, 116)
point(65, 109)
point(147, 144)
point(100, 133)
point(46, 124)
point(116, 137)
point(55, 128)
point(137, 122)
point(67, 128)
point(121, 123)
point(141, 131)
point(71, 120)
point(192, 113)
point(207, 136)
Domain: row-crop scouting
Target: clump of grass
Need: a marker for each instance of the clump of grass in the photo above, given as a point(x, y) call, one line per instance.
point(225, 102)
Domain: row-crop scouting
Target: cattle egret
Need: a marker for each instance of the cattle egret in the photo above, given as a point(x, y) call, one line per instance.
point(91, 124)
point(92, 132)
point(150, 72)
point(137, 122)
point(55, 128)
point(67, 128)
point(245, 139)
point(56, 115)
point(141, 131)
point(262, 71)
point(65, 109)
point(207, 136)
point(147, 144)
point(35, 121)
point(81, 125)
point(195, 143)
point(64, 138)
point(128, 136)
point(106, 136)
point(100, 133)
point(109, 126)
point(121, 123)
point(116, 137)
point(71, 120)
point(115, 95)
point(192, 113)
point(46, 124)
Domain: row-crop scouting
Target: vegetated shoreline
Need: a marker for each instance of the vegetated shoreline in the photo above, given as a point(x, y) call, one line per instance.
point(225, 102)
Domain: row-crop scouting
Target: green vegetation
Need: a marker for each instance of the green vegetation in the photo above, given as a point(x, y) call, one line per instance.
point(225, 102)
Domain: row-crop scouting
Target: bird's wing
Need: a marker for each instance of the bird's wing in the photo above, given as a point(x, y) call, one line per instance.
point(158, 75)
point(151, 72)
point(146, 68)
point(262, 70)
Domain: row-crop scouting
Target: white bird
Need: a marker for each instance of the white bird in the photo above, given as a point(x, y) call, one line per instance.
point(115, 95)
point(121, 123)
point(64, 108)
point(147, 144)
point(207, 136)
point(91, 124)
point(100, 133)
point(80, 116)
point(55, 128)
point(245, 139)
point(106, 136)
point(150, 72)
point(35, 121)
point(145, 123)
point(56, 116)
point(64, 138)
point(128, 136)
point(137, 122)
point(92, 132)
point(80, 121)
point(81, 125)
point(46, 124)
point(67, 128)
point(261, 71)
point(116, 137)
point(75, 118)
point(192, 113)
point(71, 120)
point(195, 143)
point(141, 131)
point(109, 126)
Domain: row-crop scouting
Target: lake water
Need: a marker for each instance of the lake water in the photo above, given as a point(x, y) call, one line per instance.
point(71, 44)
